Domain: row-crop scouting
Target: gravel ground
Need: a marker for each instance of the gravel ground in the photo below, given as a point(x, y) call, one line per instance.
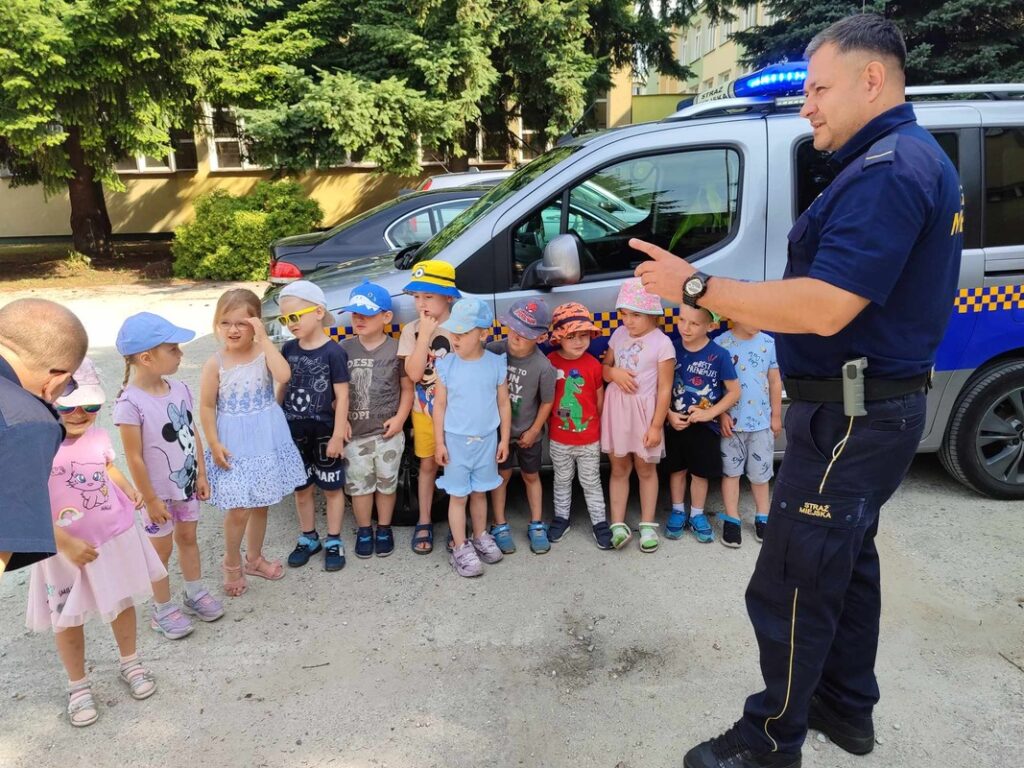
point(579, 657)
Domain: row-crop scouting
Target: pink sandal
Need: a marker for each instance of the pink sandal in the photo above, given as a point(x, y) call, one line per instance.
point(265, 569)
point(234, 581)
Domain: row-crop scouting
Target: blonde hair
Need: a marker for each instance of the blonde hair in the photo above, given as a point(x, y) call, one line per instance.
point(236, 298)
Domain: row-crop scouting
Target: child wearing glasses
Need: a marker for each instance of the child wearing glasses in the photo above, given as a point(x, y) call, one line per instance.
point(315, 402)
point(251, 459)
point(104, 561)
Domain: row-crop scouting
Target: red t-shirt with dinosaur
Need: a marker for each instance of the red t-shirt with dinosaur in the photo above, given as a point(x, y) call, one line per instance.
point(574, 417)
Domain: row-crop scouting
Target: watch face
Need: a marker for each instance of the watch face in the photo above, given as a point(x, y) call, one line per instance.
point(693, 286)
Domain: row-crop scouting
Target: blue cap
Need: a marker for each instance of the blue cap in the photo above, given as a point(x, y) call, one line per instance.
point(146, 330)
point(529, 318)
point(368, 299)
point(468, 314)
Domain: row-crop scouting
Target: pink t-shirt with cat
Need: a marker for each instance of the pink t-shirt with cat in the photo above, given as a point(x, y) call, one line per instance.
point(84, 501)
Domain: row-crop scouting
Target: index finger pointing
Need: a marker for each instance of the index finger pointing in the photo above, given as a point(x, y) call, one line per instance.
point(649, 248)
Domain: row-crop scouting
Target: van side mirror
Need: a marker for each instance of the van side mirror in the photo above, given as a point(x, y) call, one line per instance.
point(560, 264)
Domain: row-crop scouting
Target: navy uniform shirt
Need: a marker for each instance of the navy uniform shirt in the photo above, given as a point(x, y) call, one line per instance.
point(30, 434)
point(889, 228)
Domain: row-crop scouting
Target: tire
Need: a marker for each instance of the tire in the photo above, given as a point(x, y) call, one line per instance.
point(407, 505)
point(995, 399)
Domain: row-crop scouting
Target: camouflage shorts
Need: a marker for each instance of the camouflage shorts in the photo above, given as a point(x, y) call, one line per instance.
point(373, 464)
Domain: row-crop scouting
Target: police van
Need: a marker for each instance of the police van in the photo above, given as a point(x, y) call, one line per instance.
point(720, 184)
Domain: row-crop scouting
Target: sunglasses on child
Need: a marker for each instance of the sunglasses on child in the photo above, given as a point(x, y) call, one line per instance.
point(64, 410)
point(293, 317)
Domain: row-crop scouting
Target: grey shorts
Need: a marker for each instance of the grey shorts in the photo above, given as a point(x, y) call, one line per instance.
point(750, 453)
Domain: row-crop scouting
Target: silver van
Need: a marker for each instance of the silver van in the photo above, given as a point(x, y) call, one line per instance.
point(720, 184)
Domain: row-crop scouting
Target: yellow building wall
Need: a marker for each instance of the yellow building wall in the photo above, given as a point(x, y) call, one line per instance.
point(647, 109)
point(620, 99)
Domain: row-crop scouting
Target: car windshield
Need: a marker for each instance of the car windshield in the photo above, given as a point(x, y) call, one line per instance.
point(505, 189)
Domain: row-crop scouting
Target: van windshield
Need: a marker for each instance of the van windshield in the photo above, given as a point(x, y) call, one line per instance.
point(505, 189)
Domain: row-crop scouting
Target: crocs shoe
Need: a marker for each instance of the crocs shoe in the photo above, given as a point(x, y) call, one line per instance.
point(204, 605)
point(334, 554)
point(648, 537)
point(464, 560)
point(487, 548)
point(503, 536)
point(304, 550)
point(621, 534)
point(538, 533)
point(384, 541)
point(676, 524)
point(603, 535)
point(364, 542)
point(760, 524)
point(171, 622)
point(702, 529)
point(558, 528)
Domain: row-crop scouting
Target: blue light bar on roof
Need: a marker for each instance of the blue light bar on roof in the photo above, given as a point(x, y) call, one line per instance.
point(776, 80)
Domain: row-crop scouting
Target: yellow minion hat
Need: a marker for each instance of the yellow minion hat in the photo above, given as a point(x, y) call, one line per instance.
point(433, 277)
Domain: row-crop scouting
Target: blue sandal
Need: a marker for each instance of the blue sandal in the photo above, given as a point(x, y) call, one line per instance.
point(428, 539)
point(676, 524)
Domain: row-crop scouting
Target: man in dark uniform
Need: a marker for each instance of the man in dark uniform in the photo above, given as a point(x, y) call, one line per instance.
point(872, 272)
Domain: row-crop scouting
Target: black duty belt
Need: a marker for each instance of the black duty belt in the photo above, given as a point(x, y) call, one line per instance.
point(831, 390)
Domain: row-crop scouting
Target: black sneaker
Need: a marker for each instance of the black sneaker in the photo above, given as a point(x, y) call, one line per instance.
point(730, 751)
point(854, 734)
point(603, 535)
point(731, 535)
point(304, 550)
point(759, 529)
point(558, 528)
point(334, 554)
point(364, 542)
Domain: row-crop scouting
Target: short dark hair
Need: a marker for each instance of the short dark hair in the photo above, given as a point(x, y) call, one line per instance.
point(863, 32)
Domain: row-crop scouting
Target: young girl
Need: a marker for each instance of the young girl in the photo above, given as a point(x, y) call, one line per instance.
point(638, 368)
point(466, 439)
point(154, 416)
point(252, 460)
point(105, 562)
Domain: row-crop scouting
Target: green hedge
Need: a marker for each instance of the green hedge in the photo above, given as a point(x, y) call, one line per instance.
point(230, 236)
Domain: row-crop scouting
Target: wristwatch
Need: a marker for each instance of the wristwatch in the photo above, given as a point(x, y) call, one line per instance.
point(694, 288)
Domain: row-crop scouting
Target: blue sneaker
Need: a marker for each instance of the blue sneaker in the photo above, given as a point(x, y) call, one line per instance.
point(538, 533)
point(558, 528)
point(334, 554)
point(676, 524)
point(603, 535)
point(503, 536)
point(384, 543)
point(364, 542)
point(702, 529)
point(304, 550)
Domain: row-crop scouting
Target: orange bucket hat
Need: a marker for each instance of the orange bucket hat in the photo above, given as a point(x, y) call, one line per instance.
point(570, 318)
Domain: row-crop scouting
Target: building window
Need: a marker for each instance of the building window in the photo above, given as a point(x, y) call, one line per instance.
point(182, 157)
point(228, 151)
point(724, 77)
point(708, 84)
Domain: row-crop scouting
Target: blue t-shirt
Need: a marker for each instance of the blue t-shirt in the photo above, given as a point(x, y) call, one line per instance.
point(700, 377)
point(310, 393)
point(30, 434)
point(752, 358)
point(889, 228)
point(472, 389)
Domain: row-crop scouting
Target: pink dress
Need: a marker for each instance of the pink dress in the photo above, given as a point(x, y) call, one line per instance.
point(86, 504)
point(627, 417)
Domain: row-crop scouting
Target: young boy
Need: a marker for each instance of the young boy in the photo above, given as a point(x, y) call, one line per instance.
point(703, 388)
point(750, 427)
point(471, 437)
point(380, 398)
point(531, 390)
point(574, 427)
point(422, 344)
point(315, 402)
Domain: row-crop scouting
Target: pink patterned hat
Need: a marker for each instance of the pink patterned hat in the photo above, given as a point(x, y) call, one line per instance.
point(633, 296)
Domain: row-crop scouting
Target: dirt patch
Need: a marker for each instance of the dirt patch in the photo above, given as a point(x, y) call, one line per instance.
point(28, 267)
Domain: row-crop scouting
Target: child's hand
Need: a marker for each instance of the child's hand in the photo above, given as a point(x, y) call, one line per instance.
point(392, 427)
point(348, 431)
point(441, 455)
point(258, 331)
point(502, 454)
point(78, 551)
point(529, 437)
point(157, 512)
point(221, 456)
point(428, 325)
point(726, 423)
point(136, 497)
point(336, 447)
point(677, 421)
point(776, 424)
point(203, 488)
point(625, 379)
point(653, 437)
point(698, 415)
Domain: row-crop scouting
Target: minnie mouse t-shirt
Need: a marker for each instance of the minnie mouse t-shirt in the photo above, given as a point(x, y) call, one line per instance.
point(84, 501)
point(168, 437)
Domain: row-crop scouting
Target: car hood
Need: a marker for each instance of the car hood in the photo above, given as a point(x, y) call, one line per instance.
point(347, 274)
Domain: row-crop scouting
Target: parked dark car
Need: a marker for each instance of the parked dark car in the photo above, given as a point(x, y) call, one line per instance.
point(413, 218)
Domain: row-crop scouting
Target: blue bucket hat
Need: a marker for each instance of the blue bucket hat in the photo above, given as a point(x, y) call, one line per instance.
point(145, 330)
point(468, 314)
point(368, 299)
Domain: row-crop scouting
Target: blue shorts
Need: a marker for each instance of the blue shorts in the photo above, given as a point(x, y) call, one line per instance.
point(472, 465)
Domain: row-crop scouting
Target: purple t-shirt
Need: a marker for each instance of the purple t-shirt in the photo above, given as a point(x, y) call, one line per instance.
point(168, 437)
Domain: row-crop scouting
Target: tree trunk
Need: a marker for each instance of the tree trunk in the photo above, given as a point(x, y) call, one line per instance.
point(90, 223)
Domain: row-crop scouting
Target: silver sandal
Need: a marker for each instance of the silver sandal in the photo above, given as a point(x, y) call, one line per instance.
point(140, 681)
point(82, 707)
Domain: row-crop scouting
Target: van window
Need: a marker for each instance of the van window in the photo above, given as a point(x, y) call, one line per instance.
point(684, 201)
point(1004, 186)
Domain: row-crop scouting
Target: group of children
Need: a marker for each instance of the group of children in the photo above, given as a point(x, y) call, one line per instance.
point(327, 415)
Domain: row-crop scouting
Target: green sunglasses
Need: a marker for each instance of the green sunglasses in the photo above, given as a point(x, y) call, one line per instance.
point(64, 410)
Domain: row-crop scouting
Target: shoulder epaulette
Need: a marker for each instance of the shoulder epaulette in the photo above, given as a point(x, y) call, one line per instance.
point(882, 151)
